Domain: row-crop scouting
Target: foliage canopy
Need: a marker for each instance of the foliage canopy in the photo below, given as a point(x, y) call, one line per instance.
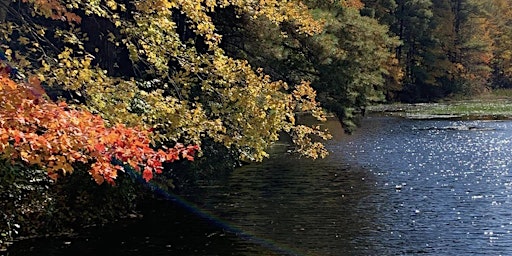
point(55, 136)
point(180, 83)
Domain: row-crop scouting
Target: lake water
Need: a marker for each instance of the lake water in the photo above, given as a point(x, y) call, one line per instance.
point(395, 187)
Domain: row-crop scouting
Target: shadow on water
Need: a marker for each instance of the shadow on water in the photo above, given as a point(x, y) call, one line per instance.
point(168, 229)
point(307, 208)
point(279, 207)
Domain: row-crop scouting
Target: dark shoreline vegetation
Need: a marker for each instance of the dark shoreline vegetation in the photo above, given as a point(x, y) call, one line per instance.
point(102, 101)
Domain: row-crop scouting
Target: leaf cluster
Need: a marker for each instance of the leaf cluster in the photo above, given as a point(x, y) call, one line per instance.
point(40, 132)
point(201, 92)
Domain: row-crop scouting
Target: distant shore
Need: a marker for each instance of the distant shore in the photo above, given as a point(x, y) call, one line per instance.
point(495, 105)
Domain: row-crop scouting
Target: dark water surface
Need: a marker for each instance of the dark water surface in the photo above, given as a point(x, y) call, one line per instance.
point(396, 187)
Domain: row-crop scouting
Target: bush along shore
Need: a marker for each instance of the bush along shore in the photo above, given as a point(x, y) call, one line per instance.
point(33, 205)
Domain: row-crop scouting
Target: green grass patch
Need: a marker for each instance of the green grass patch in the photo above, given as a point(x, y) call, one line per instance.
point(495, 104)
point(470, 109)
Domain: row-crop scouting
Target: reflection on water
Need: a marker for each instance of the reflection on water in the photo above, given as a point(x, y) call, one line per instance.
point(300, 206)
point(396, 187)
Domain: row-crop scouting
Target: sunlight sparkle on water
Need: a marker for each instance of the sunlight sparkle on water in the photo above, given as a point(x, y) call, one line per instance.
point(460, 175)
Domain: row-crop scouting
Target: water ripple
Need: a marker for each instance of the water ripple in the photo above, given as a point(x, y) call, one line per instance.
point(458, 194)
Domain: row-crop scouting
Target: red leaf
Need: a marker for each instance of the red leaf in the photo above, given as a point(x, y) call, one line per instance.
point(17, 138)
point(99, 147)
point(147, 175)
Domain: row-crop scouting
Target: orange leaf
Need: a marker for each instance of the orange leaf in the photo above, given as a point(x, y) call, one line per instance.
point(99, 147)
point(147, 175)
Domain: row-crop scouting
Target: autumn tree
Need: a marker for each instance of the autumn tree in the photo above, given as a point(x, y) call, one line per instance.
point(498, 19)
point(181, 83)
point(448, 47)
point(37, 131)
point(38, 136)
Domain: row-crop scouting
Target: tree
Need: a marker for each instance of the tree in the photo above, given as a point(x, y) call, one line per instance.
point(382, 10)
point(349, 64)
point(184, 86)
point(140, 80)
point(498, 16)
point(447, 46)
point(358, 63)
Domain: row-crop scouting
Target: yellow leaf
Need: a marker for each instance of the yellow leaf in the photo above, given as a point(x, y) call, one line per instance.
point(24, 156)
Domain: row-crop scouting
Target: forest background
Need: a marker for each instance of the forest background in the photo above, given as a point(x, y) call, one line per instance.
point(173, 92)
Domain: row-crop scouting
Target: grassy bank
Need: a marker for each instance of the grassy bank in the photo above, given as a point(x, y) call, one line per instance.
point(495, 104)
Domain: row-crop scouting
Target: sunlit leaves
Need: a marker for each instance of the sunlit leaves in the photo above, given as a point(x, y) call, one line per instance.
point(55, 136)
point(202, 94)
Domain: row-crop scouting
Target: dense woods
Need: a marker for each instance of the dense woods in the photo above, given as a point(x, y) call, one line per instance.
point(448, 47)
point(80, 79)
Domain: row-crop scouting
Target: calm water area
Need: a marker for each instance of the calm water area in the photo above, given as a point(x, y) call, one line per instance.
point(395, 187)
